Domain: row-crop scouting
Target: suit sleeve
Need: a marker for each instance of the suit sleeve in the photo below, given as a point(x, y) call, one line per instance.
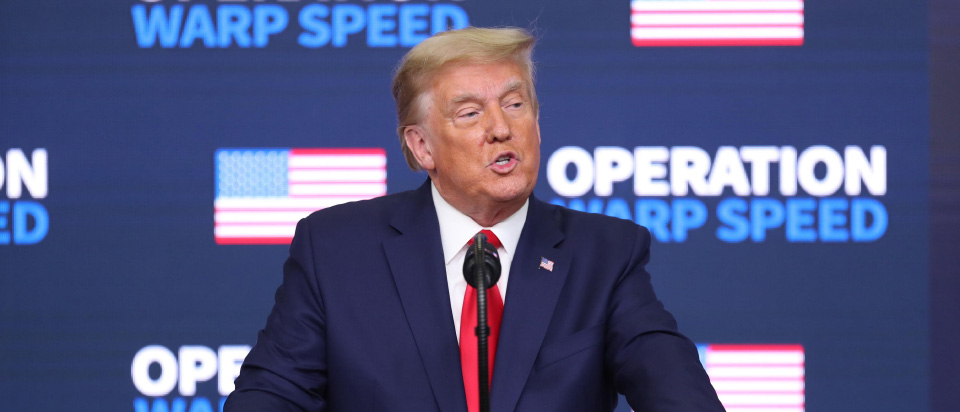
point(652, 364)
point(287, 368)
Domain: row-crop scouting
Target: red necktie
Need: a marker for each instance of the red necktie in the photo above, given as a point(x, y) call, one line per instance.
point(468, 337)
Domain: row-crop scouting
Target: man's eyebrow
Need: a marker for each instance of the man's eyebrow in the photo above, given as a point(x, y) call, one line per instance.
point(466, 97)
point(512, 87)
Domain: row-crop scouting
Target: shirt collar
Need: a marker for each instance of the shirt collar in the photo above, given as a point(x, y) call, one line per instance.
point(456, 228)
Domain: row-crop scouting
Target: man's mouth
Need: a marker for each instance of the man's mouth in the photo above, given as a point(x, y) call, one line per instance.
point(505, 162)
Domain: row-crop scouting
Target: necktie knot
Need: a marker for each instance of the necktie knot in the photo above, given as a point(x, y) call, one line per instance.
point(492, 238)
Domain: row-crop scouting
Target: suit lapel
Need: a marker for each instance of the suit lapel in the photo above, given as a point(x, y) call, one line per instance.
point(531, 298)
point(416, 260)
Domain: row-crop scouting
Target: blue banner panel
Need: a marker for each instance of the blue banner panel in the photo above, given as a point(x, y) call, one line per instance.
point(156, 153)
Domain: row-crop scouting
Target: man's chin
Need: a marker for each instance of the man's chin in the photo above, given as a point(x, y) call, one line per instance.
point(517, 192)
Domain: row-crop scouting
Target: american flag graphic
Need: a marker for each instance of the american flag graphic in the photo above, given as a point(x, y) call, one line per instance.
point(546, 264)
point(756, 378)
point(261, 194)
point(717, 22)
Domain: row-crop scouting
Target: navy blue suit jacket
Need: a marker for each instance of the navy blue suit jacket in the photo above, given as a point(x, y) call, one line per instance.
point(362, 320)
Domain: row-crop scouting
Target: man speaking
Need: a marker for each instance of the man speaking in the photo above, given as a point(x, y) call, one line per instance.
point(374, 313)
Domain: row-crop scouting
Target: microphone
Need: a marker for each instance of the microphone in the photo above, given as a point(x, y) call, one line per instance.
point(490, 259)
point(481, 268)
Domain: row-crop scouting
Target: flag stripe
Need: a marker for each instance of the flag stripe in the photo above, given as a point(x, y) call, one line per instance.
point(255, 230)
point(338, 189)
point(338, 175)
point(656, 19)
point(756, 372)
point(730, 27)
point(659, 33)
point(337, 161)
point(254, 240)
point(757, 385)
point(314, 203)
point(259, 217)
point(755, 357)
point(764, 399)
point(715, 42)
point(682, 5)
point(766, 378)
point(375, 151)
point(714, 12)
point(765, 409)
point(755, 348)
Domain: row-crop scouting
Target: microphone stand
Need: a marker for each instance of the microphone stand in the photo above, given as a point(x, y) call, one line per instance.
point(483, 330)
point(481, 269)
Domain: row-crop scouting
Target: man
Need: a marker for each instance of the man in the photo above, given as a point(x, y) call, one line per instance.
point(369, 313)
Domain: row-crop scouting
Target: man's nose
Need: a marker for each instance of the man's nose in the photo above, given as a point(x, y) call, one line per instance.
point(498, 127)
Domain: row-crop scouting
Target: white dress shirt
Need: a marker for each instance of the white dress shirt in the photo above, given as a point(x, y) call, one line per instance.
point(456, 229)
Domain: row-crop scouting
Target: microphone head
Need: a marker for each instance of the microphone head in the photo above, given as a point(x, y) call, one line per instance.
point(489, 258)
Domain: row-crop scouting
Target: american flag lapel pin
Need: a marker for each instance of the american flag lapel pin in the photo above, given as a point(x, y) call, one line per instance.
point(546, 264)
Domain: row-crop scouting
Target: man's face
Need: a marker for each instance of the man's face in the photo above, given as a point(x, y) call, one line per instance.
point(482, 135)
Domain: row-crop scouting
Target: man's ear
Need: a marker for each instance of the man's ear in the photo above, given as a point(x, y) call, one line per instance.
point(420, 145)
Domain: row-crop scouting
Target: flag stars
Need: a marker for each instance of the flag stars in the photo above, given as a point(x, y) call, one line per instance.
point(252, 173)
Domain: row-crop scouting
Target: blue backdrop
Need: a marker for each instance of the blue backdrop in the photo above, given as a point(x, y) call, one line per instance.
point(112, 113)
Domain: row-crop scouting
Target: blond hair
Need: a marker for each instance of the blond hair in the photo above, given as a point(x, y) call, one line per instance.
point(468, 45)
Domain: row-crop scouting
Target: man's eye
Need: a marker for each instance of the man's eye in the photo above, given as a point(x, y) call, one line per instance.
point(516, 105)
point(469, 114)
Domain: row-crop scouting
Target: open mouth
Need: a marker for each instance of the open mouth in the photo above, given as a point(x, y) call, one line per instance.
point(505, 162)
